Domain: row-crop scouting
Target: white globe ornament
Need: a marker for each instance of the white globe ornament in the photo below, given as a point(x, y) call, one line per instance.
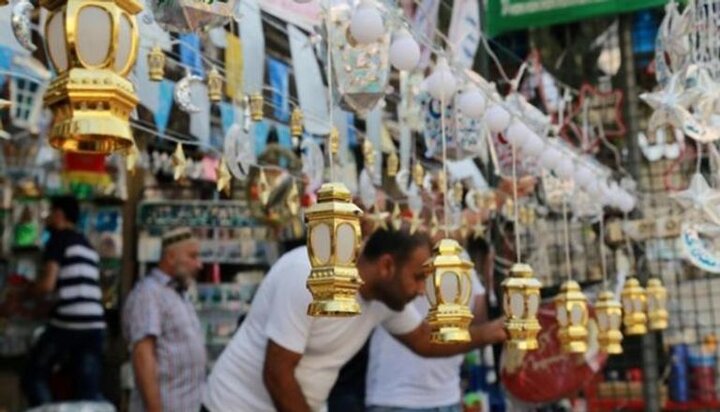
point(565, 168)
point(583, 176)
point(366, 24)
point(533, 146)
point(550, 157)
point(404, 51)
point(441, 84)
point(472, 103)
point(626, 202)
point(517, 134)
point(497, 118)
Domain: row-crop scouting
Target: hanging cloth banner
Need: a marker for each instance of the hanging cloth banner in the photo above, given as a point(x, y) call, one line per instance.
point(190, 53)
point(165, 102)
point(464, 33)
point(227, 115)
point(200, 121)
point(280, 83)
point(6, 56)
point(253, 41)
point(351, 132)
point(233, 67)
point(425, 24)
point(260, 132)
point(311, 90)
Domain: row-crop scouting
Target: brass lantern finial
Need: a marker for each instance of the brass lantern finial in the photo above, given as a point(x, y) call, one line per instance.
point(214, 85)
point(609, 313)
point(333, 227)
point(448, 290)
point(657, 304)
point(156, 64)
point(521, 304)
point(572, 316)
point(633, 301)
point(296, 122)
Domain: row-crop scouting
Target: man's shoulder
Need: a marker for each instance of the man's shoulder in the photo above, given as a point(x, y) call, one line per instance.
point(294, 259)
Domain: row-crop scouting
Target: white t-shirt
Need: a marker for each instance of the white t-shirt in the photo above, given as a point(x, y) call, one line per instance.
point(399, 378)
point(279, 312)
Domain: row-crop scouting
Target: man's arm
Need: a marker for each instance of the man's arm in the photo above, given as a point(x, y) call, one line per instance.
point(279, 379)
point(419, 339)
point(144, 365)
point(48, 279)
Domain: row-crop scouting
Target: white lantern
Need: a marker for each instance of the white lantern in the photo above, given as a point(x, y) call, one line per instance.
point(497, 118)
point(472, 103)
point(565, 168)
point(442, 84)
point(583, 176)
point(517, 134)
point(366, 25)
point(534, 145)
point(626, 202)
point(550, 157)
point(404, 51)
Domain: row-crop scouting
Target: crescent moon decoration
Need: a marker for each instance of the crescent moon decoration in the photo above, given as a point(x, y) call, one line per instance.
point(402, 180)
point(470, 197)
point(238, 151)
point(696, 252)
point(183, 95)
point(20, 22)
point(313, 163)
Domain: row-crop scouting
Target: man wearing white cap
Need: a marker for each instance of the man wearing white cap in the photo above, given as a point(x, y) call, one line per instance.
point(163, 331)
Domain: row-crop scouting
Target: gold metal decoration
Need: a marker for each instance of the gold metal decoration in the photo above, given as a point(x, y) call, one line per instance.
point(333, 227)
point(418, 174)
point(479, 229)
point(296, 122)
point(224, 178)
point(257, 103)
point(464, 229)
point(572, 316)
point(92, 45)
point(458, 192)
point(633, 301)
point(334, 140)
point(396, 218)
point(263, 188)
point(448, 289)
point(392, 164)
point(442, 182)
point(415, 223)
point(179, 162)
point(657, 304)
point(378, 219)
point(609, 313)
point(292, 201)
point(156, 64)
point(368, 154)
point(214, 85)
point(521, 303)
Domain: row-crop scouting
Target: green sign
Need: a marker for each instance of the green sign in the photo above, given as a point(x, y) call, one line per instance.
point(507, 15)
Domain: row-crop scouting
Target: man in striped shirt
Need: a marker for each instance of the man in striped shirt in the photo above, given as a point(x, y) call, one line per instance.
point(163, 331)
point(75, 333)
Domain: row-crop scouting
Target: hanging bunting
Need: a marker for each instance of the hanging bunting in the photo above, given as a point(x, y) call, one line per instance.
point(6, 56)
point(227, 115)
point(253, 41)
point(280, 83)
point(165, 101)
point(259, 132)
point(464, 31)
point(190, 54)
point(233, 67)
point(200, 120)
point(311, 90)
point(351, 132)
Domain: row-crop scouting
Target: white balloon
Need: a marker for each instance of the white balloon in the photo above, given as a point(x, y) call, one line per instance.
point(404, 51)
point(441, 84)
point(472, 103)
point(366, 24)
point(565, 168)
point(550, 157)
point(517, 134)
point(497, 118)
point(583, 176)
point(626, 203)
point(534, 145)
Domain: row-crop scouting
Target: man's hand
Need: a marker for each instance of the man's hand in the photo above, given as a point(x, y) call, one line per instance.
point(144, 362)
point(480, 335)
point(279, 379)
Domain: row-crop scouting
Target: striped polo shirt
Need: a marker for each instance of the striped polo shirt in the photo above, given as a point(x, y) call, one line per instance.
point(79, 297)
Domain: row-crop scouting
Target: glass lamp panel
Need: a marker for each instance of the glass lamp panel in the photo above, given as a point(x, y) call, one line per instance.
point(430, 289)
point(603, 321)
point(55, 38)
point(123, 47)
point(577, 314)
point(320, 242)
point(562, 315)
point(533, 304)
point(94, 35)
point(627, 305)
point(449, 287)
point(517, 303)
point(345, 243)
point(615, 321)
point(637, 304)
point(651, 306)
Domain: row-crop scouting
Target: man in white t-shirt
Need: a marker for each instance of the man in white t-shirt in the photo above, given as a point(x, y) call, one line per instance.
point(282, 359)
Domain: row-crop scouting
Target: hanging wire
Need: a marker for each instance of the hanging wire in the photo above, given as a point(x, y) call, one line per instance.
point(331, 108)
point(515, 203)
point(603, 263)
point(567, 239)
point(444, 161)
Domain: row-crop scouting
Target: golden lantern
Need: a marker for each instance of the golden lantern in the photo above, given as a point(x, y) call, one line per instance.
point(448, 290)
point(257, 111)
point(214, 85)
point(296, 122)
point(334, 141)
point(521, 302)
point(156, 64)
point(418, 174)
point(458, 189)
point(92, 45)
point(368, 154)
point(633, 301)
point(392, 164)
point(608, 312)
point(657, 304)
point(333, 227)
point(572, 317)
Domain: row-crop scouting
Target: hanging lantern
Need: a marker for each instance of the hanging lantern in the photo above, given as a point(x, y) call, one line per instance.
point(572, 316)
point(256, 107)
point(608, 312)
point(448, 289)
point(418, 174)
point(156, 64)
point(333, 227)
point(334, 141)
point(633, 301)
point(92, 46)
point(214, 85)
point(392, 164)
point(458, 192)
point(368, 154)
point(296, 122)
point(657, 304)
point(521, 303)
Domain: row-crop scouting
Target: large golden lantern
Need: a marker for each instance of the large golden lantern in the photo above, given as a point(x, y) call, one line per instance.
point(448, 290)
point(333, 228)
point(521, 302)
point(92, 45)
point(657, 305)
point(633, 301)
point(609, 313)
point(572, 316)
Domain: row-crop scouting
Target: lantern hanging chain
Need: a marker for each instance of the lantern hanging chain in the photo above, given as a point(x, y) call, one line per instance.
point(628, 244)
point(328, 44)
point(567, 239)
point(516, 211)
point(444, 161)
point(698, 165)
point(603, 263)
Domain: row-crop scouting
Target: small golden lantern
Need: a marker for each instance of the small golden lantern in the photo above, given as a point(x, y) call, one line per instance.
point(214, 85)
point(458, 190)
point(572, 317)
point(657, 304)
point(448, 288)
point(633, 301)
point(333, 227)
point(296, 122)
point(608, 312)
point(368, 154)
point(521, 302)
point(418, 174)
point(92, 45)
point(156, 64)
point(257, 111)
point(392, 164)
point(334, 141)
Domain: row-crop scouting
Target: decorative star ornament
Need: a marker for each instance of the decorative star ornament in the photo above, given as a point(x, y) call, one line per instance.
point(700, 201)
point(670, 106)
point(708, 98)
point(223, 177)
point(179, 162)
point(434, 227)
point(415, 223)
point(378, 219)
point(479, 229)
point(396, 218)
point(463, 230)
